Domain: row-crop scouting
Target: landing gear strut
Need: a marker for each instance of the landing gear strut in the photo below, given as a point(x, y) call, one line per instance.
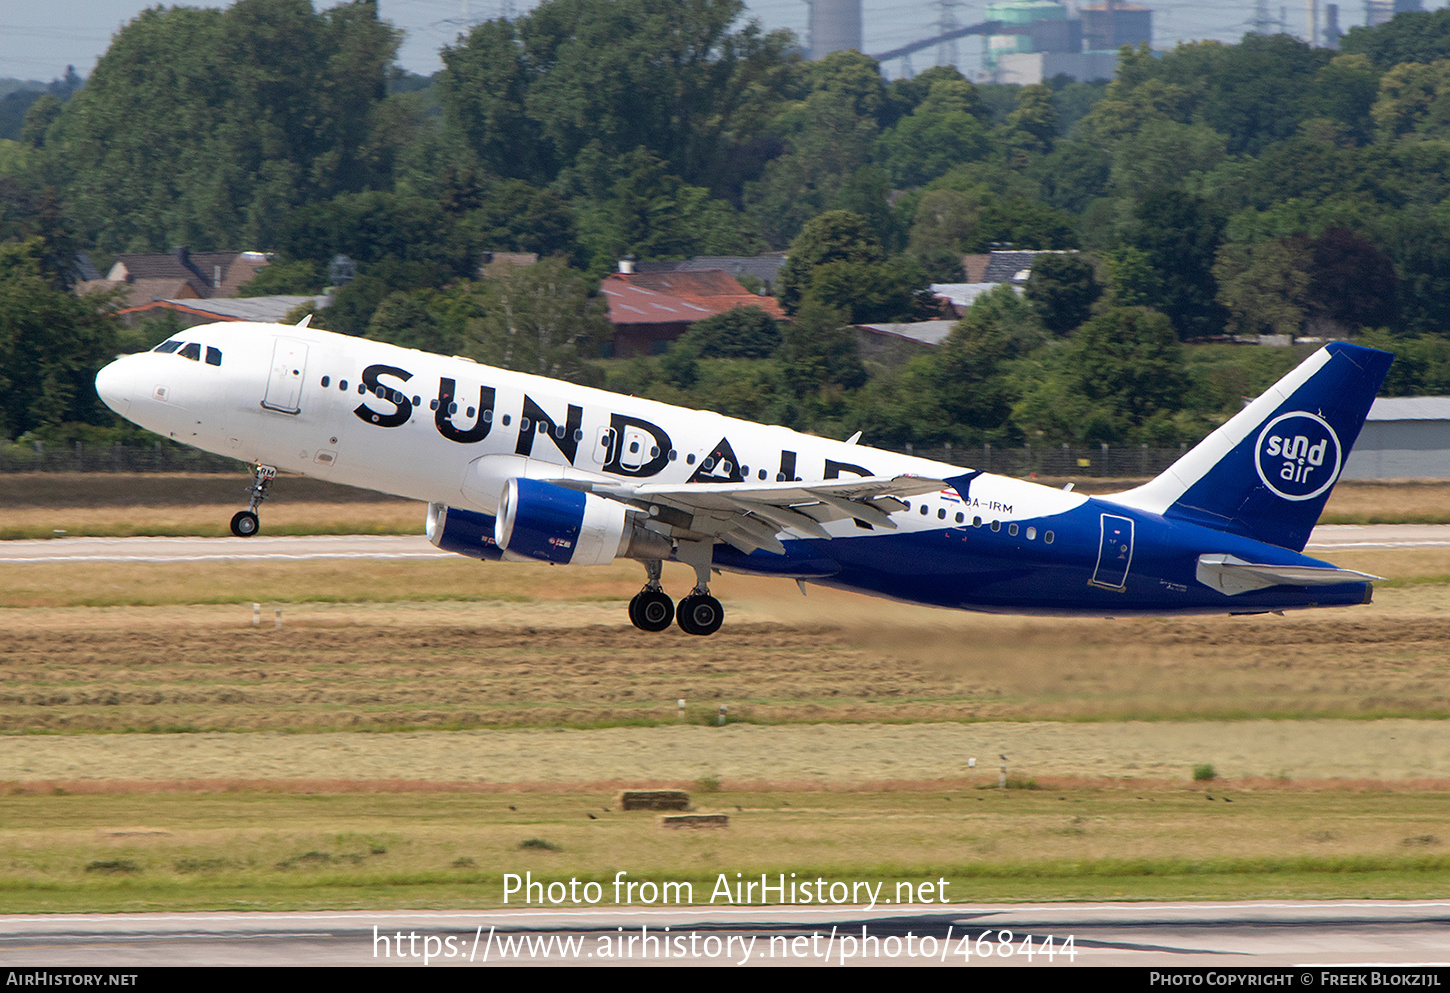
point(244, 522)
point(652, 609)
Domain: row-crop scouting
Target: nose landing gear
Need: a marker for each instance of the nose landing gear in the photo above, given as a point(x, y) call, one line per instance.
point(244, 522)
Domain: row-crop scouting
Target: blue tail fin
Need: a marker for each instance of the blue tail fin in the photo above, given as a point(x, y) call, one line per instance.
point(1267, 473)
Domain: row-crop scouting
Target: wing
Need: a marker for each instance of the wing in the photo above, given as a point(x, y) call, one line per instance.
point(749, 516)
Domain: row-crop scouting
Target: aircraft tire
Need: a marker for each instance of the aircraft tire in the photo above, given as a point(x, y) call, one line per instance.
point(244, 524)
point(700, 614)
point(651, 610)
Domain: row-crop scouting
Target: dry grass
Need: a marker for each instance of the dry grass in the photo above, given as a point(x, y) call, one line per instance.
point(518, 645)
point(260, 850)
point(36, 505)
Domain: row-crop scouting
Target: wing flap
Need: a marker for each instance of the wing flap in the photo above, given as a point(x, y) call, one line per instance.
point(754, 513)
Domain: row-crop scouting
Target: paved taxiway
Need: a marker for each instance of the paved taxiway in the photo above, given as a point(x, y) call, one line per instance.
point(1297, 935)
point(417, 546)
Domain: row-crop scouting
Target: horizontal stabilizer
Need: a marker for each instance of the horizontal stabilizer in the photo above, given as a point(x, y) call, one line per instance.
point(1232, 575)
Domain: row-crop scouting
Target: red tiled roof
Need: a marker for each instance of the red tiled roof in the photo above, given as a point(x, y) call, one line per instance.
point(672, 297)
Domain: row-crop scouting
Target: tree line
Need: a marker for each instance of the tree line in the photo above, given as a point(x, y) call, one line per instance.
point(1258, 188)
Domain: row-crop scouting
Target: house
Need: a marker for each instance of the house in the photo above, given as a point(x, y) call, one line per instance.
point(191, 311)
point(893, 344)
point(179, 275)
point(763, 270)
point(651, 309)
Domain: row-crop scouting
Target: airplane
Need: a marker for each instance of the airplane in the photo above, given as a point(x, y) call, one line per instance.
point(521, 467)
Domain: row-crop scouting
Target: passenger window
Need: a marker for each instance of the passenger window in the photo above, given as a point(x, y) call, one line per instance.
point(996, 525)
point(191, 351)
point(1047, 536)
point(214, 356)
point(432, 404)
point(760, 475)
point(488, 416)
point(579, 435)
point(470, 412)
point(417, 401)
point(524, 424)
point(923, 510)
point(941, 515)
point(634, 446)
point(342, 385)
point(506, 419)
point(908, 504)
point(961, 518)
point(1012, 530)
point(326, 382)
point(976, 522)
point(690, 459)
point(361, 389)
point(168, 346)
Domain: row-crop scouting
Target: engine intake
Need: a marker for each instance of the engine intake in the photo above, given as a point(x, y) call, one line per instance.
point(540, 520)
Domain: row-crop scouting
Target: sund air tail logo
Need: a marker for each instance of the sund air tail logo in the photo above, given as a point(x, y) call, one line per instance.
point(1298, 455)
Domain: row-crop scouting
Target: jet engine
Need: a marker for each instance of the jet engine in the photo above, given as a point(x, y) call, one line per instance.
point(540, 520)
point(464, 532)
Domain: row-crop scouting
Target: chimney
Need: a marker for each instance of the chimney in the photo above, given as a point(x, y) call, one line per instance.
point(216, 277)
point(183, 254)
point(626, 266)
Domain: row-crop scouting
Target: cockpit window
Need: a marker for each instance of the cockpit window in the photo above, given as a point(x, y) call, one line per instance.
point(213, 355)
point(167, 346)
point(191, 351)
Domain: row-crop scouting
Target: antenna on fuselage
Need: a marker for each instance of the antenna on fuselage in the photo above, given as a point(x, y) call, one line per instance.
point(305, 321)
point(854, 438)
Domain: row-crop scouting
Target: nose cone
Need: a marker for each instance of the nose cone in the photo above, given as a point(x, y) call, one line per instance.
point(113, 384)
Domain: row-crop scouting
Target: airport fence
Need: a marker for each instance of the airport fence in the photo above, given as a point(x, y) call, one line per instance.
point(1101, 460)
point(1109, 461)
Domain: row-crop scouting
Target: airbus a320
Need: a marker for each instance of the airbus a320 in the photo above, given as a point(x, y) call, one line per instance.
point(520, 467)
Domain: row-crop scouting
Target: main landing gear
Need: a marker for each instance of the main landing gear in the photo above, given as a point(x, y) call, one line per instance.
point(244, 522)
point(699, 613)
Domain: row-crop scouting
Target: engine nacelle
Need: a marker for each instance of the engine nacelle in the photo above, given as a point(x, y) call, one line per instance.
point(540, 520)
point(464, 532)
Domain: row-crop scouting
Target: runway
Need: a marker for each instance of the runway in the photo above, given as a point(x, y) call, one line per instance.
point(1292, 935)
point(417, 546)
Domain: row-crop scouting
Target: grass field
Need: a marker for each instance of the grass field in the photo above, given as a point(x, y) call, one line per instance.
point(160, 752)
point(253, 850)
point(38, 505)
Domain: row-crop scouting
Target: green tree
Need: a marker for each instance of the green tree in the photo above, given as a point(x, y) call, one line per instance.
point(741, 333)
point(52, 343)
point(835, 236)
point(1031, 128)
point(1063, 289)
point(545, 319)
point(1180, 234)
point(973, 364)
point(1127, 364)
point(1265, 286)
point(819, 351)
point(208, 127)
point(946, 223)
point(943, 131)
